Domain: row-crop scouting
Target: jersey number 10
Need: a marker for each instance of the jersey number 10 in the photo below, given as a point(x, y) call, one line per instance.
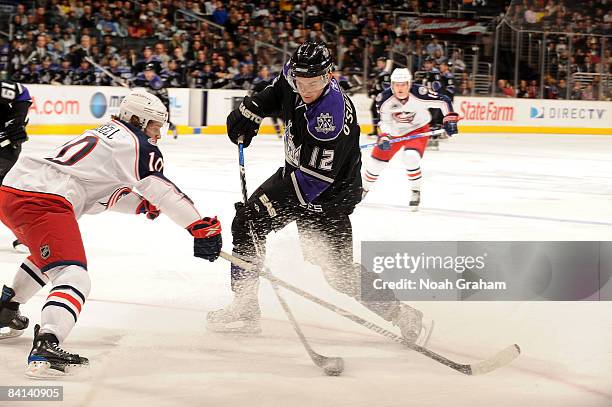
point(74, 152)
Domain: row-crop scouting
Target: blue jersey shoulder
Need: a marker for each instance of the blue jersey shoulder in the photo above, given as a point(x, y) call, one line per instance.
point(325, 117)
point(383, 96)
point(148, 153)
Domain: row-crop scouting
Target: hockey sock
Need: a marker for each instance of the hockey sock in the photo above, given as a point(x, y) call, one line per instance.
point(28, 281)
point(412, 160)
point(71, 286)
point(372, 171)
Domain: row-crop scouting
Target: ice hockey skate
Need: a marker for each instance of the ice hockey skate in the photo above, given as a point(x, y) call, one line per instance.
point(433, 144)
point(242, 315)
point(48, 360)
point(12, 323)
point(415, 200)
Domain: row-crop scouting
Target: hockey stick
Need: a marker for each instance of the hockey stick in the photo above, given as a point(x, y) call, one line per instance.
point(332, 366)
point(412, 137)
point(108, 73)
point(498, 360)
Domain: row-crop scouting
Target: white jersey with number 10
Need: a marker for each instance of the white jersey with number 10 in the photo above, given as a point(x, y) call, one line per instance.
point(110, 167)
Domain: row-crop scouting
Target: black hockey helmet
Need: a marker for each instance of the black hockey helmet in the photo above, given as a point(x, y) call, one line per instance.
point(311, 59)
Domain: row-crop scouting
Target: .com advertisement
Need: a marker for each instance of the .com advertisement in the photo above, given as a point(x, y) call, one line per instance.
point(91, 104)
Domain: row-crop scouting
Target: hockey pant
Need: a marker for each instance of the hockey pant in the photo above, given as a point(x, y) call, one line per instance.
point(47, 226)
point(413, 151)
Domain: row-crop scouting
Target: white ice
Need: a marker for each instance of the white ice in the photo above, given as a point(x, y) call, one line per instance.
point(143, 325)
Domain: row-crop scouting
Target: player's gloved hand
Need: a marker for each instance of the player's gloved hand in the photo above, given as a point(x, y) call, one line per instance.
point(244, 121)
point(384, 142)
point(207, 240)
point(450, 123)
point(148, 209)
point(14, 134)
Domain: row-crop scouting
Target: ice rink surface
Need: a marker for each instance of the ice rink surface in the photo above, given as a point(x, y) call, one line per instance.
point(143, 326)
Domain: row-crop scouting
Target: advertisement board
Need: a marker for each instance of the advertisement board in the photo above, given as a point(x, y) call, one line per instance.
point(72, 109)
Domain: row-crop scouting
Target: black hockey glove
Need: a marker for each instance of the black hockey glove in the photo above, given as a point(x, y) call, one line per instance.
point(13, 129)
point(244, 121)
point(13, 134)
point(450, 123)
point(207, 240)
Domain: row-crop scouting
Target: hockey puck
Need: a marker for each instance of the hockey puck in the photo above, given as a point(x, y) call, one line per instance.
point(334, 367)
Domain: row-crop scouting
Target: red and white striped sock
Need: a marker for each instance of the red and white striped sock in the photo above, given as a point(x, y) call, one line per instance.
point(71, 286)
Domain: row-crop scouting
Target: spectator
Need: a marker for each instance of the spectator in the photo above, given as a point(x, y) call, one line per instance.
point(522, 91)
point(41, 49)
point(562, 94)
point(147, 58)
point(220, 15)
point(29, 73)
point(84, 50)
point(352, 58)
point(161, 54)
point(64, 75)
point(47, 71)
point(550, 89)
point(504, 89)
point(587, 93)
point(84, 74)
point(576, 92)
point(464, 89)
point(173, 75)
point(87, 20)
point(434, 45)
point(119, 70)
point(532, 89)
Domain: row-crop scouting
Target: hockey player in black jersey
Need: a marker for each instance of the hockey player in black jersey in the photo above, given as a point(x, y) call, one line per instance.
point(318, 188)
point(15, 102)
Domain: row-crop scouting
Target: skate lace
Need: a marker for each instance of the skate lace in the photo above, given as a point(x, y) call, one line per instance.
point(60, 350)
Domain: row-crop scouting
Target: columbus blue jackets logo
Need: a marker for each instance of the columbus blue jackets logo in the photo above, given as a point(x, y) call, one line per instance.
point(45, 251)
point(325, 123)
point(404, 117)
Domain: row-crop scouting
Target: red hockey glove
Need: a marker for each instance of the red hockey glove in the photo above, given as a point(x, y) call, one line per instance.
point(148, 209)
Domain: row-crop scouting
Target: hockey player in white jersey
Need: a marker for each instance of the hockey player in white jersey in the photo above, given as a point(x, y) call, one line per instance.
point(404, 112)
point(116, 166)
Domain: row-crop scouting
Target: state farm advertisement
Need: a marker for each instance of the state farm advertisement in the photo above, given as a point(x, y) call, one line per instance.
point(479, 111)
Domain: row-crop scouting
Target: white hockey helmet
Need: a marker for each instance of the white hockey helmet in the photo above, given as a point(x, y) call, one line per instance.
point(146, 107)
point(401, 75)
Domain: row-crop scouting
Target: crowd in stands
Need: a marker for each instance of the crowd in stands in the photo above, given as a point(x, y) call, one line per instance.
point(575, 44)
point(224, 44)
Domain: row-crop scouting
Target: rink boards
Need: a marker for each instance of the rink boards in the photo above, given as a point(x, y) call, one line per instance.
point(73, 109)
